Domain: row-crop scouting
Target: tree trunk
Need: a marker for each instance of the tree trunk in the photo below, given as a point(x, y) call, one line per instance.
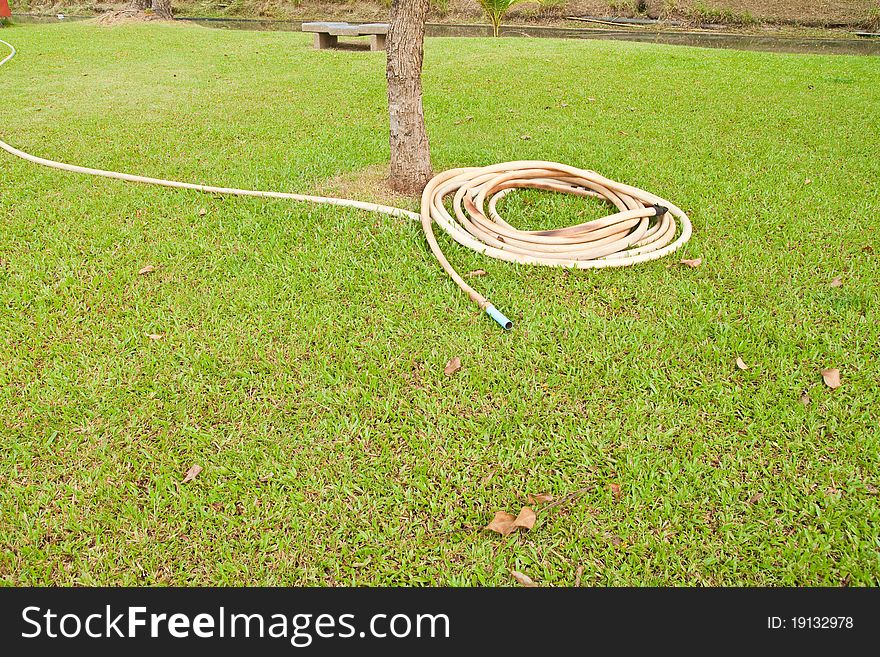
point(140, 5)
point(410, 155)
point(162, 9)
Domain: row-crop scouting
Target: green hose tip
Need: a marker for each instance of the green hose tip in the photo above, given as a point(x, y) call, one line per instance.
point(499, 317)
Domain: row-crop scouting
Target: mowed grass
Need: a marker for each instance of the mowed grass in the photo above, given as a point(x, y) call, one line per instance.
point(303, 347)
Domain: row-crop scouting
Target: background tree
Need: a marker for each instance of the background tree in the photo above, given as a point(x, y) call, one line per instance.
point(162, 8)
point(410, 153)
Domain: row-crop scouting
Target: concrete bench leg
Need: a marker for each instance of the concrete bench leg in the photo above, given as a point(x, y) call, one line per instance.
point(324, 40)
point(377, 42)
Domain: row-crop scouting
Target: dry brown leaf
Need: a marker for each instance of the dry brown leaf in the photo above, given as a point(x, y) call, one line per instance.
point(540, 498)
point(452, 366)
point(502, 523)
point(525, 519)
point(741, 364)
point(837, 281)
point(202, 212)
point(616, 541)
point(522, 578)
point(868, 248)
point(871, 488)
point(475, 273)
point(808, 181)
point(615, 491)
point(757, 497)
point(696, 262)
point(191, 474)
point(831, 376)
point(805, 398)
point(526, 137)
point(146, 270)
point(155, 336)
point(577, 576)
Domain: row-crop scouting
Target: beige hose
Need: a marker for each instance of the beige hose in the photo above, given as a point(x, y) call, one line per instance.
point(643, 228)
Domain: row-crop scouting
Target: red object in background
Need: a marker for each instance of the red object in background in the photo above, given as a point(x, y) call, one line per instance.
point(4, 9)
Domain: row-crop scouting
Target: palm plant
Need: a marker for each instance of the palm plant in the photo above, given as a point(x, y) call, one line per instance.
point(495, 11)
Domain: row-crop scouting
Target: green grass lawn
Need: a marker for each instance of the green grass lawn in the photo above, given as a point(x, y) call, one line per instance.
point(303, 347)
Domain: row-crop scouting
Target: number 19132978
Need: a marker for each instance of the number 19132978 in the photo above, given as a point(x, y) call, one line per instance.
point(810, 623)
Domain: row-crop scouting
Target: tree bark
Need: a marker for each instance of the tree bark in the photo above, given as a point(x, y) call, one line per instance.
point(140, 4)
point(410, 154)
point(162, 9)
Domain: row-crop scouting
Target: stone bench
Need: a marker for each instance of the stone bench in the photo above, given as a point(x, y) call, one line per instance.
point(327, 34)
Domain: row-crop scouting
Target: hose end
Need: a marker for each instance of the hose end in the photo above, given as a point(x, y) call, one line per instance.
point(499, 317)
point(660, 210)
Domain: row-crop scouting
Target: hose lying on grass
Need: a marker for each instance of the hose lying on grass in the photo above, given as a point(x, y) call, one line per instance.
point(644, 227)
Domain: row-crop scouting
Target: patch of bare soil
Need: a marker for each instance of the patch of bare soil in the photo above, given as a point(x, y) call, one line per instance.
point(369, 184)
point(124, 17)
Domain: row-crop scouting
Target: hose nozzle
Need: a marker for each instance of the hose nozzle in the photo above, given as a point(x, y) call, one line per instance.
point(499, 317)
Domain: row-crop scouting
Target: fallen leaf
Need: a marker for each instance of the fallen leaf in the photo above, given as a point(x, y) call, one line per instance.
point(452, 366)
point(757, 497)
point(592, 100)
point(622, 132)
point(808, 181)
point(805, 398)
point(155, 336)
point(616, 541)
point(191, 474)
point(615, 491)
point(526, 137)
point(265, 478)
point(202, 212)
point(475, 273)
point(502, 523)
point(577, 576)
point(741, 364)
point(563, 104)
point(837, 281)
point(540, 498)
point(871, 488)
point(146, 270)
point(868, 249)
point(696, 262)
point(522, 578)
point(525, 519)
point(831, 376)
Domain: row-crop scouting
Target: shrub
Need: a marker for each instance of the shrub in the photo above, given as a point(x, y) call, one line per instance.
point(495, 11)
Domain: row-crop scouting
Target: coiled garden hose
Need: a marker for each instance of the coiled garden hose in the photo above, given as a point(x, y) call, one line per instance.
point(643, 228)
